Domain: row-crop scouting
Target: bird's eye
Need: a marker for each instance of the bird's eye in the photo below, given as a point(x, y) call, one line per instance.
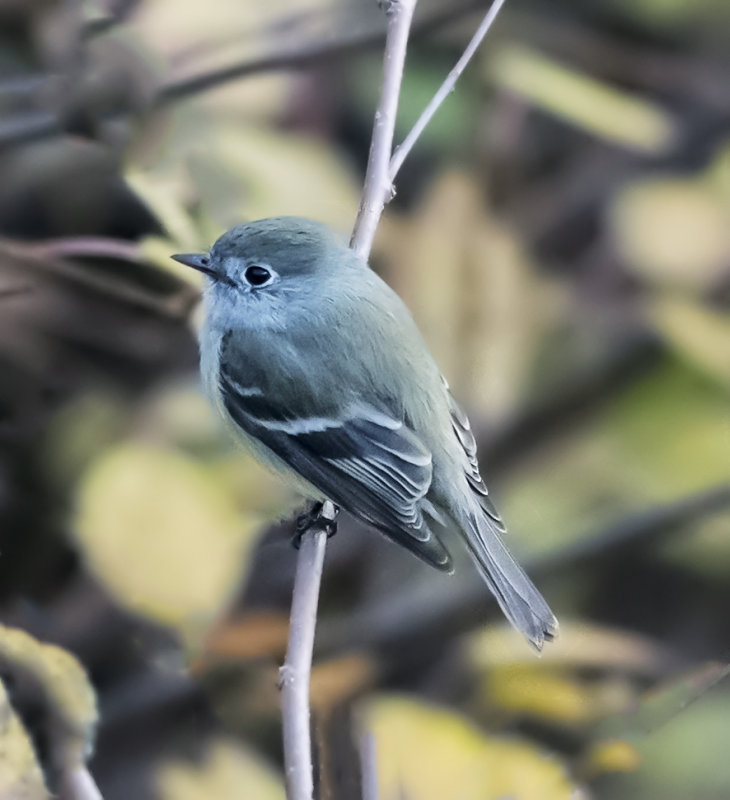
point(257, 275)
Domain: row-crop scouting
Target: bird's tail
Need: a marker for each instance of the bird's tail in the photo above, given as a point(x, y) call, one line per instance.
point(519, 599)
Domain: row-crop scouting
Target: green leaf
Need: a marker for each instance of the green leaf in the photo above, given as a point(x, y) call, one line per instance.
point(679, 730)
point(660, 439)
point(664, 702)
point(699, 334)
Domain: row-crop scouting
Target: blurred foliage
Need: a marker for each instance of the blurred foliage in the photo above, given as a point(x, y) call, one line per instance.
point(561, 234)
point(226, 770)
point(428, 753)
point(46, 698)
point(141, 508)
point(20, 774)
point(601, 110)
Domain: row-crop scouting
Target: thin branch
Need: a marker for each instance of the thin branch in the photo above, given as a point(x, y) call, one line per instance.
point(402, 151)
point(14, 291)
point(77, 784)
point(100, 246)
point(295, 672)
point(368, 767)
point(378, 186)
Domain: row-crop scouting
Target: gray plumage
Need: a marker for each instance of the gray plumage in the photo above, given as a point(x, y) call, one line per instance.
point(324, 373)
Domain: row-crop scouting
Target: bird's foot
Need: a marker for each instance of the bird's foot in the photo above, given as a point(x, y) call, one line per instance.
point(322, 516)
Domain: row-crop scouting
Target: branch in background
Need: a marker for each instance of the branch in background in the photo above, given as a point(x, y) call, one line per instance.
point(31, 125)
point(643, 527)
point(399, 622)
point(402, 151)
point(101, 246)
point(13, 291)
point(307, 56)
point(378, 186)
point(51, 256)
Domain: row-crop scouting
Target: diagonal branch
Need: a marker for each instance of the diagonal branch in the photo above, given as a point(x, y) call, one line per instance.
point(77, 784)
point(402, 151)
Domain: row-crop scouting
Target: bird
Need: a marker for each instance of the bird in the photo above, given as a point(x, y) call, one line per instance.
point(318, 367)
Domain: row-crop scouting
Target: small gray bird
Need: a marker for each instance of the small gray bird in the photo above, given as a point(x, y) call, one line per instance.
point(321, 369)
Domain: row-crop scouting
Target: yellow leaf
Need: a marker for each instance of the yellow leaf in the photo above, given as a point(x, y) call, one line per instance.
point(556, 696)
point(427, 753)
point(673, 231)
point(162, 533)
point(227, 772)
point(20, 776)
point(585, 102)
point(610, 755)
point(52, 679)
point(579, 645)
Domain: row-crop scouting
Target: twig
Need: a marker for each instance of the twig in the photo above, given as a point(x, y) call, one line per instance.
point(402, 151)
point(13, 291)
point(378, 186)
point(77, 784)
point(295, 672)
point(368, 767)
point(101, 246)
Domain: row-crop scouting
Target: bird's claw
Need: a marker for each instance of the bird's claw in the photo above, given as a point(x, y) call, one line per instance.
point(322, 516)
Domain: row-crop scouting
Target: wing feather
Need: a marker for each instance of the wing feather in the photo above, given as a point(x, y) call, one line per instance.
point(363, 458)
point(463, 431)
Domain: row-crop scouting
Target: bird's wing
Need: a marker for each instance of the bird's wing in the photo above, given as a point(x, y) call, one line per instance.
point(363, 458)
point(517, 596)
point(463, 431)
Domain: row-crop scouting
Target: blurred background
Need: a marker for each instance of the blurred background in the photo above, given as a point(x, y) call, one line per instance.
point(561, 234)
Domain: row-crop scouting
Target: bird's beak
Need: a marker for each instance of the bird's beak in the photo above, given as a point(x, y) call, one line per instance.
point(198, 261)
